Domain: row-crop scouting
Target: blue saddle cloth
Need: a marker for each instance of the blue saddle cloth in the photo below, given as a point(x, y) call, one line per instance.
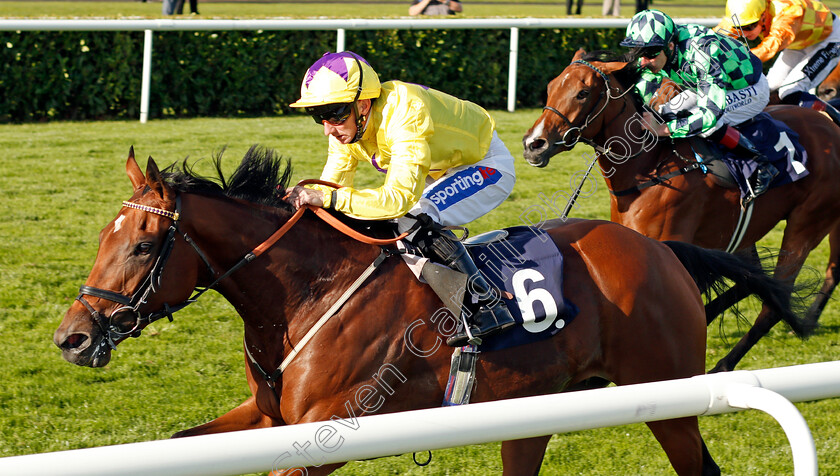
point(528, 265)
point(777, 142)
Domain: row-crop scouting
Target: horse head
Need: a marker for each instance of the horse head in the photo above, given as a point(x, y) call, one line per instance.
point(582, 100)
point(127, 286)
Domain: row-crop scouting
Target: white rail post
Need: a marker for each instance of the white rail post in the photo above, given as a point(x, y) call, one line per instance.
point(339, 40)
point(802, 446)
point(514, 59)
point(147, 76)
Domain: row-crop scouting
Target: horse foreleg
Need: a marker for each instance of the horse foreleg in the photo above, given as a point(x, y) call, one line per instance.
point(244, 417)
point(684, 446)
point(831, 275)
point(523, 457)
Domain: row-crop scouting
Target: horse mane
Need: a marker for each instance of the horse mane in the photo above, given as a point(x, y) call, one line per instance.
point(261, 178)
point(627, 76)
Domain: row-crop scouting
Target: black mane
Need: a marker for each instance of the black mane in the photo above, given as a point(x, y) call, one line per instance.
point(628, 76)
point(261, 177)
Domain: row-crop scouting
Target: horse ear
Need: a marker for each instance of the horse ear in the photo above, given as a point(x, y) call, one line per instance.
point(154, 179)
point(578, 54)
point(613, 66)
point(134, 172)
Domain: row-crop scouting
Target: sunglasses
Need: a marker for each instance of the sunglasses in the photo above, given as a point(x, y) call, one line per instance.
point(650, 53)
point(331, 113)
point(751, 26)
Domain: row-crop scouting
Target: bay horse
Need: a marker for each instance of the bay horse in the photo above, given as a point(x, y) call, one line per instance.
point(828, 89)
point(383, 349)
point(657, 189)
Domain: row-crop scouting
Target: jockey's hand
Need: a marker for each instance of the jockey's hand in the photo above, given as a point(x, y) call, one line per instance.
point(650, 123)
point(299, 196)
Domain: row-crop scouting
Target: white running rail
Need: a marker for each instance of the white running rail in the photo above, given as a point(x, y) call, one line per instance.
point(354, 438)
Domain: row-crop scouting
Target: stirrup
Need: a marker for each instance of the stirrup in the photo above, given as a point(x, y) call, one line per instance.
point(473, 333)
point(764, 176)
point(463, 335)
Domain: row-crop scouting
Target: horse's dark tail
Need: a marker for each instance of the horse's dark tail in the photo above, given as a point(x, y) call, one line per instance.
point(710, 269)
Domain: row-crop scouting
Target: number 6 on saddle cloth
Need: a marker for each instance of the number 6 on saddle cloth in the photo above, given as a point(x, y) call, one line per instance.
point(525, 264)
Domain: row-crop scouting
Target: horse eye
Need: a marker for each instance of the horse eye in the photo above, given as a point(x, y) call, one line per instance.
point(583, 94)
point(143, 248)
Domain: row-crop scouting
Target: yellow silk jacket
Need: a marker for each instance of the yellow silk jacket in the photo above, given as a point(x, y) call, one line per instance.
point(412, 132)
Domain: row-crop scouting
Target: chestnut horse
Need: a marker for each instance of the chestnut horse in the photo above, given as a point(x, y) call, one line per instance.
point(179, 232)
point(828, 89)
point(664, 195)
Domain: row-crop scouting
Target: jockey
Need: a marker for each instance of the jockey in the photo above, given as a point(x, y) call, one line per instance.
point(441, 158)
point(801, 33)
point(722, 84)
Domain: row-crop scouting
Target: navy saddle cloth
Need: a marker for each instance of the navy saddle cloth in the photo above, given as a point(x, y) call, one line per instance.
point(528, 265)
point(777, 142)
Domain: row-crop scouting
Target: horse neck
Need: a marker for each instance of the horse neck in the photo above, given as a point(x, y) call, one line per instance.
point(288, 279)
point(622, 129)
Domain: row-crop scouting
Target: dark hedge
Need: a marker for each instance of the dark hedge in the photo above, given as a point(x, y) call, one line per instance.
point(97, 75)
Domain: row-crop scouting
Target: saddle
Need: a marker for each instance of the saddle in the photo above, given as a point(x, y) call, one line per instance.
point(778, 142)
point(525, 265)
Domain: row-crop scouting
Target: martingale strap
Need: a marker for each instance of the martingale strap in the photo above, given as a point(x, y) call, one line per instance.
point(275, 376)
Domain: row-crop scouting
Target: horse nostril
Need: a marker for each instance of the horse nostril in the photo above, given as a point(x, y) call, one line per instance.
point(73, 341)
point(536, 144)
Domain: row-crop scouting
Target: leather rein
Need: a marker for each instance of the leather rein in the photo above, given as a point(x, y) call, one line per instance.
point(152, 282)
point(578, 131)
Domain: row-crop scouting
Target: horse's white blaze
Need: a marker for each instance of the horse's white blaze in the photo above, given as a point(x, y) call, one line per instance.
point(118, 223)
point(536, 133)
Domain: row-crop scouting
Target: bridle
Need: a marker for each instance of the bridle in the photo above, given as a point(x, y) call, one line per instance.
point(152, 282)
point(656, 180)
point(577, 131)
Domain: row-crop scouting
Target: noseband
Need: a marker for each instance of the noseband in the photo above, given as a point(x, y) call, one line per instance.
point(574, 134)
point(153, 280)
point(151, 284)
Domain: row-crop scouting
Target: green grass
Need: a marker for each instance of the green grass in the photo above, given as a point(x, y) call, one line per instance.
point(62, 182)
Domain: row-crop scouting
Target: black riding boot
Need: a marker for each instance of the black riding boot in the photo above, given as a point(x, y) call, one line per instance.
point(485, 314)
point(732, 139)
point(810, 101)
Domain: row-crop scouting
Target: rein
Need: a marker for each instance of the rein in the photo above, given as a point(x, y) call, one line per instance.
point(275, 376)
point(149, 285)
point(658, 180)
point(152, 281)
point(577, 131)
